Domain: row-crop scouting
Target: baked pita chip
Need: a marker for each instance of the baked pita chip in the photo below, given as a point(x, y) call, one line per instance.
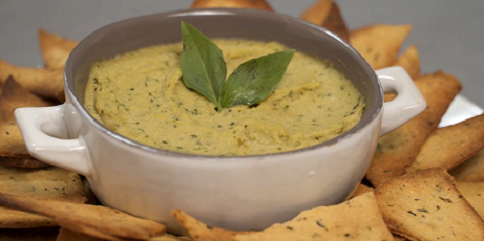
point(379, 44)
point(29, 234)
point(410, 61)
point(426, 205)
point(200, 231)
point(474, 194)
point(471, 170)
point(449, 146)
point(326, 13)
point(49, 183)
point(318, 13)
point(104, 219)
point(356, 219)
point(398, 149)
point(48, 83)
point(12, 146)
point(68, 235)
point(54, 49)
point(258, 4)
point(362, 189)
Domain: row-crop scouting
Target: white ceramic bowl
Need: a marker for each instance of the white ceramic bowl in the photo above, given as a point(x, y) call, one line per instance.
point(240, 193)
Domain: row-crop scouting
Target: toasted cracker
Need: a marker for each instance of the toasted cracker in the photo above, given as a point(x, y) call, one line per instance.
point(398, 149)
point(29, 234)
point(474, 194)
point(12, 145)
point(200, 231)
point(426, 205)
point(104, 219)
point(362, 189)
point(50, 183)
point(449, 146)
point(54, 49)
point(317, 13)
point(471, 170)
point(326, 13)
point(258, 4)
point(379, 44)
point(410, 61)
point(336, 24)
point(356, 219)
point(44, 82)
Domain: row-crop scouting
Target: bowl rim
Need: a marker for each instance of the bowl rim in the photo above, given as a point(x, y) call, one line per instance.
point(371, 115)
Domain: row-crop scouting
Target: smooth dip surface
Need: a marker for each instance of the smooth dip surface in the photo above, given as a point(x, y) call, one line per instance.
point(141, 95)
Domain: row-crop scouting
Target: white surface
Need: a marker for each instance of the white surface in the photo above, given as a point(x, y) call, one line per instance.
point(460, 110)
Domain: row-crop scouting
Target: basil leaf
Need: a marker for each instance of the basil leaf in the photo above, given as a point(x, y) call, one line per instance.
point(202, 64)
point(255, 79)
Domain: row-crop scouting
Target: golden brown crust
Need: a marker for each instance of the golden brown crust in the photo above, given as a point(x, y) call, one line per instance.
point(105, 220)
point(47, 83)
point(426, 205)
point(410, 61)
point(449, 146)
point(13, 96)
point(379, 44)
point(54, 49)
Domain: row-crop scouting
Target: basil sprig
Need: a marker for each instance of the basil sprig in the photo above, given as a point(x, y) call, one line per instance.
point(204, 70)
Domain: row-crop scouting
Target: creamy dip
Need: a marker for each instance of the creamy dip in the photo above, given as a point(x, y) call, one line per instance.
point(141, 95)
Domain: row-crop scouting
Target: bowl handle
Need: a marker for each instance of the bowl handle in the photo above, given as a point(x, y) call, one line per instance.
point(70, 154)
point(408, 103)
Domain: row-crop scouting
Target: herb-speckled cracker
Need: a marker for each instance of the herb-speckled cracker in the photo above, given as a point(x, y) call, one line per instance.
point(379, 44)
point(449, 146)
point(472, 170)
point(362, 189)
point(49, 183)
point(200, 231)
point(54, 49)
point(68, 235)
point(326, 13)
point(104, 219)
point(426, 205)
point(474, 193)
point(356, 219)
point(410, 61)
point(398, 149)
point(44, 82)
point(12, 147)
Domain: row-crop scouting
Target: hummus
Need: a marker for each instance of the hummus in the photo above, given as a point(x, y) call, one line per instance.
point(141, 95)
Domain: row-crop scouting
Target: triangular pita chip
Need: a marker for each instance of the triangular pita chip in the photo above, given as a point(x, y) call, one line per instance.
point(200, 231)
point(379, 44)
point(426, 205)
point(49, 183)
point(12, 146)
point(398, 149)
point(449, 146)
point(474, 194)
point(471, 170)
point(104, 219)
point(54, 49)
point(410, 61)
point(356, 219)
point(48, 83)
